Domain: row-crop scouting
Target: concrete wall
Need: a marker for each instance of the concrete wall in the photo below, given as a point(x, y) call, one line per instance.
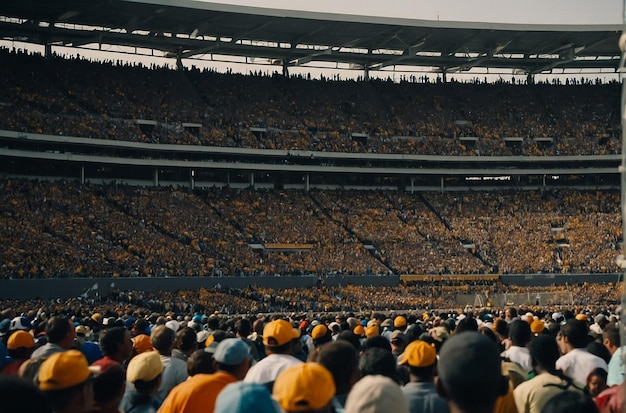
point(74, 287)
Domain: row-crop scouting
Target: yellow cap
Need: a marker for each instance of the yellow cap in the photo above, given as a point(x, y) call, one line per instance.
point(372, 331)
point(359, 330)
point(279, 332)
point(304, 387)
point(20, 339)
point(145, 366)
point(63, 370)
point(399, 321)
point(419, 354)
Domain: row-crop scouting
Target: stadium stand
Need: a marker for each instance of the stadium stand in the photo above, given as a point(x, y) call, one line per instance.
point(115, 100)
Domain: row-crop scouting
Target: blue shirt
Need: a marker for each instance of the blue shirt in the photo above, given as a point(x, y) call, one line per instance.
point(422, 397)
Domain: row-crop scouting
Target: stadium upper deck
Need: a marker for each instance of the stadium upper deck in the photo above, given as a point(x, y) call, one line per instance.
point(289, 38)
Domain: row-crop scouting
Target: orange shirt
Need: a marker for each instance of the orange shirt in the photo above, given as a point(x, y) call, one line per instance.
point(197, 394)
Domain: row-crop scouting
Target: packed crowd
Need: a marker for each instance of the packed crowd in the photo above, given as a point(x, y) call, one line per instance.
point(67, 229)
point(76, 97)
point(96, 357)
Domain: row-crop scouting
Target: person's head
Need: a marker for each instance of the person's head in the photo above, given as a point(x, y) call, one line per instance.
point(232, 355)
point(243, 328)
point(611, 339)
point(544, 352)
point(116, 343)
point(61, 331)
point(376, 361)
point(67, 381)
point(142, 343)
point(321, 335)
point(573, 335)
point(421, 358)
point(306, 387)
point(28, 398)
point(398, 342)
point(570, 402)
point(376, 394)
point(186, 340)
point(108, 388)
point(519, 333)
point(163, 339)
point(510, 313)
point(145, 371)
point(598, 349)
point(279, 337)
point(20, 345)
point(243, 397)
point(342, 360)
point(470, 373)
point(596, 381)
point(377, 342)
point(200, 362)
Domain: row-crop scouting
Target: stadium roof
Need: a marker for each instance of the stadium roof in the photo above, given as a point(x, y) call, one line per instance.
point(188, 28)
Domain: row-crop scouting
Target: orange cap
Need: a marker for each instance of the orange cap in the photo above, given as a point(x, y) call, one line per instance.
point(419, 354)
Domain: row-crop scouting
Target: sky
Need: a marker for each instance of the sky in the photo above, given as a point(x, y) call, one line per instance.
point(491, 11)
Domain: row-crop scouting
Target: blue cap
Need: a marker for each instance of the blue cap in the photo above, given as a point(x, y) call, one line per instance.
point(243, 397)
point(231, 352)
point(129, 322)
point(197, 318)
point(91, 351)
point(21, 323)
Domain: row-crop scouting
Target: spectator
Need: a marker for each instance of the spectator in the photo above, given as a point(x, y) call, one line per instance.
point(576, 362)
point(116, 346)
point(341, 359)
point(305, 387)
point(279, 338)
point(174, 370)
point(61, 334)
point(421, 360)
point(243, 397)
point(611, 340)
point(519, 335)
point(376, 394)
point(199, 393)
point(145, 372)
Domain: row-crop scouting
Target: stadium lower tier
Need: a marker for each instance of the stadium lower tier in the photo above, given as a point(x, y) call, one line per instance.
point(67, 229)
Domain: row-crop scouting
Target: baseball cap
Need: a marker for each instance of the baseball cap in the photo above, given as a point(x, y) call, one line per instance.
point(173, 325)
point(304, 387)
point(387, 323)
point(372, 331)
point(83, 331)
point(419, 354)
point(20, 339)
point(319, 331)
point(4, 326)
point(399, 321)
point(537, 327)
point(376, 393)
point(97, 317)
point(581, 317)
point(201, 336)
point(279, 332)
point(359, 330)
point(142, 343)
point(145, 366)
point(64, 370)
point(398, 335)
point(471, 361)
point(231, 352)
point(20, 323)
point(241, 397)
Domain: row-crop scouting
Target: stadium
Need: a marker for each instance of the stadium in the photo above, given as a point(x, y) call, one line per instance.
point(121, 176)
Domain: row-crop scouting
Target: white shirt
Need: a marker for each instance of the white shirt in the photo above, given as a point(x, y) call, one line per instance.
point(519, 355)
point(578, 363)
point(269, 368)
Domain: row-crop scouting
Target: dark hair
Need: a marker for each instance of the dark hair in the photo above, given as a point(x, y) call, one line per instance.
point(187, 339)
point(243, 327)
point(108, 384)
point(576, 333)
point(519, 332)
point(377, 342)
point(467, 324)
point(612, 334)
point(349, 337)
point(570, 402)
point(598, 349)
point(600, 372)
point(162, 338)
point(31, 399)
point(60, 399)
point(378, 361)
point(200, 361)
point(146, 387)
point(57, 328)
point(544, 351)
point(341, 359)
point(111, 338)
